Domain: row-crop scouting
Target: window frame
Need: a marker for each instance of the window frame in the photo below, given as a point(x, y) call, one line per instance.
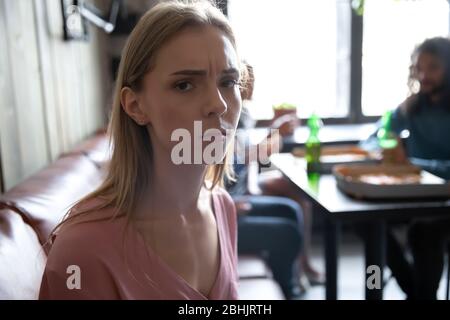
point(355, 114)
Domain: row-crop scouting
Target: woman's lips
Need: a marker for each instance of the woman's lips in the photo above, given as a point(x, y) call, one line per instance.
point(214, 132)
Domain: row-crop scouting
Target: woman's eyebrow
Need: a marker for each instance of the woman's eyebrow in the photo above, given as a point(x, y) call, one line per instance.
point(232, 71)
point(189, 72)
point(198, 72)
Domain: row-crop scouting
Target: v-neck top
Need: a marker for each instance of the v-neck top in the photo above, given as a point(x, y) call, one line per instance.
point(109, 259)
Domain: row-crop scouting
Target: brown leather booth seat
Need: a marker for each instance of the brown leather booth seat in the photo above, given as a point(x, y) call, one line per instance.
point(22, 259)
point(96, 149)
point(30, 211)
point(44, 198)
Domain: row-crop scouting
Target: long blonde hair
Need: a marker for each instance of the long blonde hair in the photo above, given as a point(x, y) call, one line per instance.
point(129, 173)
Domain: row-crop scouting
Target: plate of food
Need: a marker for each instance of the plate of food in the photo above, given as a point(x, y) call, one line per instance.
point(389, 181)
point(337, 155)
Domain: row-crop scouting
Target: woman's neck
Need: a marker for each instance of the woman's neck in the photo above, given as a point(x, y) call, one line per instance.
point(174, 189)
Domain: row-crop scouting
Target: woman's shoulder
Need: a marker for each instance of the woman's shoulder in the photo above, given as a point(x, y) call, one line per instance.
point(91, 213)
point(98, 208)
point(222, 195)
point(87, 250)
point(88, 229)
point(226, 205)
point(228, 217)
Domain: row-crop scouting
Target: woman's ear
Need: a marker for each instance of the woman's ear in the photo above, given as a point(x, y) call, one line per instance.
point(131, 105)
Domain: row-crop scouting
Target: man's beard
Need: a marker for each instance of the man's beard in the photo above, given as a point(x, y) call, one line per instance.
point(439, 90)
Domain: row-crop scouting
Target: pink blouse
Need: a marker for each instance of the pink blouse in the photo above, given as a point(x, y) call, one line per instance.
point(108, 260)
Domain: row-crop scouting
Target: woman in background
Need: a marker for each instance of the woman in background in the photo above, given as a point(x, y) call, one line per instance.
point(271, 203)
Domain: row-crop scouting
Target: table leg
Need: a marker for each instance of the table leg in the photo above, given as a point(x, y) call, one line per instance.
point(375, 252)
point(331, 258)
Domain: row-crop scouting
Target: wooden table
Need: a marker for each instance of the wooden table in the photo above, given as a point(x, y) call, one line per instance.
point(337, 208)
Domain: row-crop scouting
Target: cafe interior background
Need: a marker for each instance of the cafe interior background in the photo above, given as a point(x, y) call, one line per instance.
point(345, 61)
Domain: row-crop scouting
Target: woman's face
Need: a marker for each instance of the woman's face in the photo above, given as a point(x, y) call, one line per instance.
point(429, 71)
point(195, 78)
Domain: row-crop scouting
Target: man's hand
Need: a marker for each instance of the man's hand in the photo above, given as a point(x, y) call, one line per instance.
point(286, 124)
point(396, 155)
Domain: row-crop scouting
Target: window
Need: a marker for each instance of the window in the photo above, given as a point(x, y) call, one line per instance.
point(300, 51)
point(392, 29)
point(303, 54)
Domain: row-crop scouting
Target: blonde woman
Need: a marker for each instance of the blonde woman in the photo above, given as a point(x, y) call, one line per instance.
point(156, 229)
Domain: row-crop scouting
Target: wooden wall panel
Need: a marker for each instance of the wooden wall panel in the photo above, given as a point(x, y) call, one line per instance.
point(52, 92)
point(24, 144)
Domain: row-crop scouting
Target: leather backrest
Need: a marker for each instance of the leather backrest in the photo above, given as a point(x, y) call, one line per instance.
point(44, 198)
point(97, 149)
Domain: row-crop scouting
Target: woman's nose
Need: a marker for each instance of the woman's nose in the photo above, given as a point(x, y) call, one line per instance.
point(216, 104)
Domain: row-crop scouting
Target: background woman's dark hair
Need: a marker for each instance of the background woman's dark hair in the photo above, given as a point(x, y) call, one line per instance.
point(440, 48)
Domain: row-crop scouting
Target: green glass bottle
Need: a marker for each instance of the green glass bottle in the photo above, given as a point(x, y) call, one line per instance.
point(313, 144)
point(313, 182)
point(387, 139)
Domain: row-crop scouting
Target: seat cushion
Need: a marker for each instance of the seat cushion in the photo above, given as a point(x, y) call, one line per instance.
point(44, 198)
point(22, 259)
point(259, 289)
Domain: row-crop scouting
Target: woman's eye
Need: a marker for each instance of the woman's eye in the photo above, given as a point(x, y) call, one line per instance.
point(229, 83)
point(183, 86)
